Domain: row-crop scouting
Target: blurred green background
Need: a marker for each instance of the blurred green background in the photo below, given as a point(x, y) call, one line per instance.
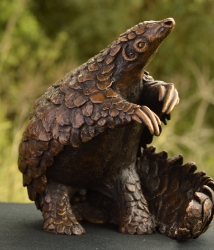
point(41, 40)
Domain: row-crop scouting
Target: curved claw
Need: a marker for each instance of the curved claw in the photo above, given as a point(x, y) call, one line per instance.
point(149, 118)
point(169, 95)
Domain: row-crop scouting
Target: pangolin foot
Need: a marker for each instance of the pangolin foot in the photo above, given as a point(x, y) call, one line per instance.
point(68, 226)
point(139, 222)
point(57, 213)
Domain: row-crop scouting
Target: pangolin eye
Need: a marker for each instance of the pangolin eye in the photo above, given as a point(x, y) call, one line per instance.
point(140, 45)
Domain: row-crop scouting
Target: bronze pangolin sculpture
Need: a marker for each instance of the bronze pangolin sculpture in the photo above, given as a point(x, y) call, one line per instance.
point(83, 154)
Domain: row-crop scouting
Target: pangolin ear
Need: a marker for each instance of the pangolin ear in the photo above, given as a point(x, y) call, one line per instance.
point(128, 56)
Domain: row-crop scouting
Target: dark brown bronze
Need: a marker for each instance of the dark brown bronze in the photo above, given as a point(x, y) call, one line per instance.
point(82, 153)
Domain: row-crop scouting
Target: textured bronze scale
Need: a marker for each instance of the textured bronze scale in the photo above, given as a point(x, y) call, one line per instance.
point(84, 156)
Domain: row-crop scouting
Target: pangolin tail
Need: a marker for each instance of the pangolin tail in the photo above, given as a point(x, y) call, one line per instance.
point(181, 199)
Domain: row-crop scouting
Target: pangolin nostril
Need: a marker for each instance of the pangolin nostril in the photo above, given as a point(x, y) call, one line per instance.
point(169, 22)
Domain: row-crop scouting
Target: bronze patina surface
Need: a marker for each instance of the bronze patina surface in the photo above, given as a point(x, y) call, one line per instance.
point(84, 152)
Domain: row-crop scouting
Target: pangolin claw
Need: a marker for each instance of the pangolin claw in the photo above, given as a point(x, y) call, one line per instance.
point(169, 95)
point(149, 118)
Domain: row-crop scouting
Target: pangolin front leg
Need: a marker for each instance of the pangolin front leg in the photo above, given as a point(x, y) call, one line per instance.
point(56, 210)
point(117, 111)
point(134, 216)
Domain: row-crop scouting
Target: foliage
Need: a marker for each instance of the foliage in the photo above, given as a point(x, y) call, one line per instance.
point(41, 40)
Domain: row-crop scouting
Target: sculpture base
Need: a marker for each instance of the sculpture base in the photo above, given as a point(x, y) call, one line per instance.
point(21, 227)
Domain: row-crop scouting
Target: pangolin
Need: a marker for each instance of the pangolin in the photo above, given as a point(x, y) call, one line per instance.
point(87, 130)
